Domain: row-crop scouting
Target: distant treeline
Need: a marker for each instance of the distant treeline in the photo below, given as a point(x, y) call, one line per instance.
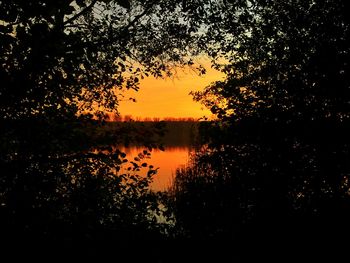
point(175, 132)
point(119, 118)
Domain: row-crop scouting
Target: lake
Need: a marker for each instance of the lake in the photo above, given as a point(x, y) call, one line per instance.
point(168, 161)
point(178, 140)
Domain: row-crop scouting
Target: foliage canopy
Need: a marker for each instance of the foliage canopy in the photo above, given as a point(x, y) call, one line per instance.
point(276, 162)
point(71, 56)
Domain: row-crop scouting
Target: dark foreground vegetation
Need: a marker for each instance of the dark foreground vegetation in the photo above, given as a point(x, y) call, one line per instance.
point(271, 180)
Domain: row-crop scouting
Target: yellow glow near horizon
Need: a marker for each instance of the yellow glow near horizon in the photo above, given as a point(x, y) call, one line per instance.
point(169, 97)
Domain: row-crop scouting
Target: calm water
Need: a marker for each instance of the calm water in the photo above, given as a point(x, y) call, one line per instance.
point(178, 140)
point(167, 161)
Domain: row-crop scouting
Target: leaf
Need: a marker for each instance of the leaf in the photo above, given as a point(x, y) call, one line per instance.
point(80, 3)
point(124, 3)
point(69, 10)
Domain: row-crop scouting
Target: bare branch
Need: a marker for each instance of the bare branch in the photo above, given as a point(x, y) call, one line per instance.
point(82, 12)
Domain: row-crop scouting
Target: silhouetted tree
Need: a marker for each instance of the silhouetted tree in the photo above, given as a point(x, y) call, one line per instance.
point(282, 139)
point(71, 56)
point(286, 57)
point(59, 60)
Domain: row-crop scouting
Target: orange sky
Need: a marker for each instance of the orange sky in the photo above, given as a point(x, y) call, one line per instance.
point(170, 97)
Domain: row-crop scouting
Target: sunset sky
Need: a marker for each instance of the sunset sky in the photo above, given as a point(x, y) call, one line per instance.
point(170, 97)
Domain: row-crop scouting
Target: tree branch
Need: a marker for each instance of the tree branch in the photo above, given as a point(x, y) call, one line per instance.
point(132, 22)
point(82, 12)
point(136, 18)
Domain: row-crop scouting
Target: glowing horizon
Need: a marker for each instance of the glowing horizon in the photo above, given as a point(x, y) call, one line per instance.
point(169, 97)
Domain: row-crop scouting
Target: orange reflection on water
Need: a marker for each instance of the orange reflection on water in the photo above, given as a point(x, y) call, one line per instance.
point(167, 161)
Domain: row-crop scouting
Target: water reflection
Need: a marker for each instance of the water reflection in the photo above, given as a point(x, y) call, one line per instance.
point(167, 161)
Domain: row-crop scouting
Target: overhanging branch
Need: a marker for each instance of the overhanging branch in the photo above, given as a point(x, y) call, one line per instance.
point(82, 12)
